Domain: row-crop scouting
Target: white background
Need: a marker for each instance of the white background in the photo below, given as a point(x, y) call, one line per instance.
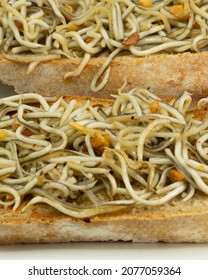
point(101, 251)
point(104, 251)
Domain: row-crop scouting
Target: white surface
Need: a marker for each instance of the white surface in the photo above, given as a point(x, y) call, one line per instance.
point(119, 250)
point(104, 251)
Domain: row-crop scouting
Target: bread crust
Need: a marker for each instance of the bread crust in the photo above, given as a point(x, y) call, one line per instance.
point(164, 74)
point(172, 222)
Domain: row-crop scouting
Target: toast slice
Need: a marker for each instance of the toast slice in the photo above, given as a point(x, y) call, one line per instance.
point(174, 221)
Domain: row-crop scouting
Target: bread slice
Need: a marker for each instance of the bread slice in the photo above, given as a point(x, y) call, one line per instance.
point(164, 74)
point(174, 221)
